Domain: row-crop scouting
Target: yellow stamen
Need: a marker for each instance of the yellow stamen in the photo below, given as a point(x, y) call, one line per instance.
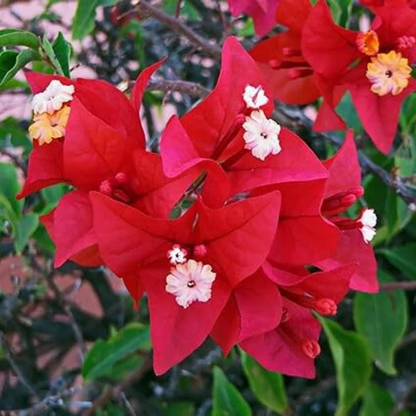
point(388, 73)
point(367, 43)
point(47, 127)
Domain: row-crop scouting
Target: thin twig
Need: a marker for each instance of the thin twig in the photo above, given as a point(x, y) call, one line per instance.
point(7, 351)
point(67, 309)
point(184, 87)
point(387, 287)
point(147, 10)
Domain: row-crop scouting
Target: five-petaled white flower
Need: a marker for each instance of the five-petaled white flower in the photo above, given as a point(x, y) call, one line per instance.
point(190, 282)
point(368, 220)
point(254, 97)
point(261, 135)
point(53, 98)
point(177, 255)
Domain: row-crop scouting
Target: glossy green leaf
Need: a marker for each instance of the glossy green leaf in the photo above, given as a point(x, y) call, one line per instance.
point(227, 400)
point(382, 319)
point(268, 387)
point(12, 62)
point(341, 11)
point(352, 364)
point(25, 227)
point(84, 19)
point(62, 52)
point(376, 401)
point(103, 357)
point(402, 257)
point(17, 37)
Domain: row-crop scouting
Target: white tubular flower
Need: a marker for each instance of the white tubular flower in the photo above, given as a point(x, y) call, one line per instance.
point(261, 135)
point(254, 97)
point(53, 98)
point(368, 219)
point(190, 282)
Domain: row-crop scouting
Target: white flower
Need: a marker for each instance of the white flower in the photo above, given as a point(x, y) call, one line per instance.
point(52, 98)
point(254, 97)
point(177, 255)
point(189, 282)
point(368, 220)
point(261, 135)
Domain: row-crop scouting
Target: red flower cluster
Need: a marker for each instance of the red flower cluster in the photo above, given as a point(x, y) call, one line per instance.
point(235, 231)
point(315, 57)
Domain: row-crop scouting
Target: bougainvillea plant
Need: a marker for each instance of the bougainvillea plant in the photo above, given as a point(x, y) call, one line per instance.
point(241, 218)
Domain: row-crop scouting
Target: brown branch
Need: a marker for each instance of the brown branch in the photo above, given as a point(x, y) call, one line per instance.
point(114, 392)
point(387, 287)
point(147, 10)
point(184, 87)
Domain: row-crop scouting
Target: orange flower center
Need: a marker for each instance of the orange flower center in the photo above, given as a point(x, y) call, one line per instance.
point(388, 73)
point(47, 127)
point(367, 43)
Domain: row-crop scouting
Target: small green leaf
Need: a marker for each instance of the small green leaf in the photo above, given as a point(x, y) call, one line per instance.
point(106, 3)
point(9, 186)
point(341, 11)
point(382, 319)
point(352, 363)
point(16, 37)
point(62, 52)
point(402, 257)
point(12, 62)
point(267, 386)
point(50, 53)
point(26, 226)
point(227, 400)
point(103, 357)
point(84, 19)
point(376, 402)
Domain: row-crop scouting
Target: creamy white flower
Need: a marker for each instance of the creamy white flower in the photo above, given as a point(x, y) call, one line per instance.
point(368, 220)
point(261, 135)
point(254, 97)
point(190, 282)
point(53, 98)
point(177, 255)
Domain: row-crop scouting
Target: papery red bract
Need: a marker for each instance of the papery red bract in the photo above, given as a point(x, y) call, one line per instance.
point(280, 57)
point(142, 244)
point(262, 12)
point(345, 175)
point(332, 51)
point(281, 349)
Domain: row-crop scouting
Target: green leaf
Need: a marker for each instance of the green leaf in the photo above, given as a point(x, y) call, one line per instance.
point(267, 386)
point(26, 226)
point(9, 186)
point(382, 319)
point(62, 52)
point(103, 357)
point(179, 409)
point(106, 3)
point(376, 401)
point(352, 363)
point(402, 257)
point(52, 195)
point(341, 11)
point(50, 53)
point(17, 37)
point(12, 62)
point(227, 400)
point(84, 19)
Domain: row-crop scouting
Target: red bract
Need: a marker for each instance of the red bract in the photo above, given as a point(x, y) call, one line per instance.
point(262, 12)
point(231, 242)
point(292, 346)
point(343, 189)
point(373, 65)
point(103, 150)
point(210, 140)
point(280, 58)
